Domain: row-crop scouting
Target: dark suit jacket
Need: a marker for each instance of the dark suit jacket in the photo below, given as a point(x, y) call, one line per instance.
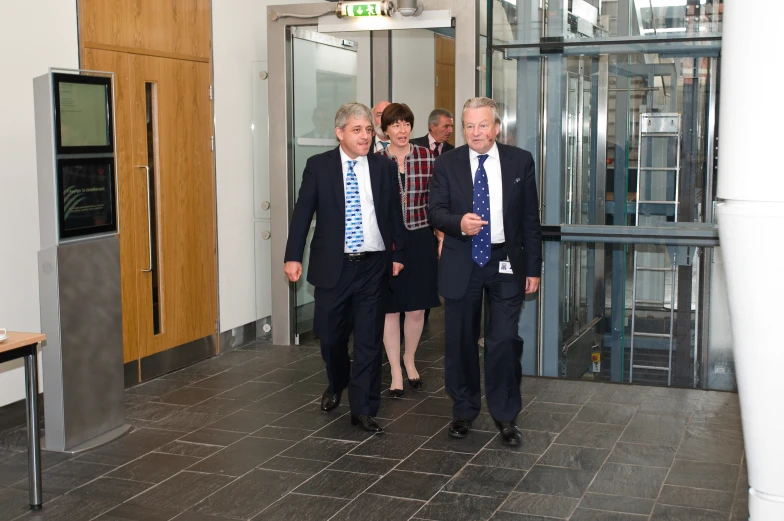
point(424, 142)
point(322, 192)
point(451, 197)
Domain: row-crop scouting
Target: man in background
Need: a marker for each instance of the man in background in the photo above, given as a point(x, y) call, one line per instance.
point(380, 140)
point(441, 124)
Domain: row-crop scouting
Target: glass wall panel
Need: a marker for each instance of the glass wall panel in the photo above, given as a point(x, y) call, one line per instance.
point(528, 22)
point(665, 337)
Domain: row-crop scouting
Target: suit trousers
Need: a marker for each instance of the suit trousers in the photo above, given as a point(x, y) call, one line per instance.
point(503, 346)
point(357, 300)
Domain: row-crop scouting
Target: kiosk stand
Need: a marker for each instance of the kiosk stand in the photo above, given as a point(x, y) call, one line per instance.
point(79, 261)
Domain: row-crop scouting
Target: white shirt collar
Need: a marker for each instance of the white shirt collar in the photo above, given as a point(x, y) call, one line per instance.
point(493, 152)
point(344, 157)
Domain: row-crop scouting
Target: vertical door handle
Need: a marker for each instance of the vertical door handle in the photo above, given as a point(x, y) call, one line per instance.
point(149, 216)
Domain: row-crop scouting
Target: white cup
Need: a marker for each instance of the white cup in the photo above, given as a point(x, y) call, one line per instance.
point(3, 331)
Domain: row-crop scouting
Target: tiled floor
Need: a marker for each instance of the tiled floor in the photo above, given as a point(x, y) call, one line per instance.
point(240, 436)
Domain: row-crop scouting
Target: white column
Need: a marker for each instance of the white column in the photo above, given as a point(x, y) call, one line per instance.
point(751, 228)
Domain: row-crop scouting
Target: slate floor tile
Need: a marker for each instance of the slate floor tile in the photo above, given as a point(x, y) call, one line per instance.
point(154, 467)
point(485, 481)
point(218, 406)
point(544, 421)
point(647, 455)
point(182, 448)
point(698, 474)
point(435, 462)
point(539, 505)
point(556, 481)
point(111, 489)
point(446, 506)
point(574, 457)
point(627, 505)
point(242, 456)
point(185, 421)
point(370, 506)
point(336, 484)
point(13, 503)
point(409, 485)
point(244, 421)
point(14, 468)
point(655, 429)
point(68, 476)
point(213, 437)
point(602, 412)
point(319, 449)
point(582, 514)
point(152, 411)
point(70, 508)
point(390, 445)
point(504, 459)
point(189, 395)
point(418, 425)
point(282, 403)
point(129, 447)
point(713, 443)
point(671, 513)
point(629, 480)
point(302, 508)
point(182, 491)
point(596, 435)
point(471, 444)
point(311, 418)
point(286, 376)
point(364, 465)
point(301, 466)
point(250, 494)
point(696, 498)
point(130, 512)
point(281, 433)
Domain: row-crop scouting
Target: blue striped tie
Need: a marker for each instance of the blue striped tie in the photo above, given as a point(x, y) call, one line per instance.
point(480, 243)
point(354, 236)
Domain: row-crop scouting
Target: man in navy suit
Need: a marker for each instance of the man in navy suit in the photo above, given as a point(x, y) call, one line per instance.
point(483, 197)
point(357, 245)
point(440, 126)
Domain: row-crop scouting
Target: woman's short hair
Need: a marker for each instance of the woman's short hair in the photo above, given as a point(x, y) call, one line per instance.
point(478, 103)
point(396, 112)
point(352, 110)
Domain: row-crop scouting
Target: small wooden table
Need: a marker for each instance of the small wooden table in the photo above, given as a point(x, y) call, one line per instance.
point(19, 345)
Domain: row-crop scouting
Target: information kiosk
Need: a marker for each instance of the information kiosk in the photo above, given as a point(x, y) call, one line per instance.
point(79, 260)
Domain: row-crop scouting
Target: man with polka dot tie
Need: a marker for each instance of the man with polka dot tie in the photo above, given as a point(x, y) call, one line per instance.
point(483, 196)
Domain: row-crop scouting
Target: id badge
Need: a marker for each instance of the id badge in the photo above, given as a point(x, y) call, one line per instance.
point(505, 267)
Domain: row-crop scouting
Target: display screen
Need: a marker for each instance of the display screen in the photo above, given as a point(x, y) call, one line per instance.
point(83, 114)
point(86, 196)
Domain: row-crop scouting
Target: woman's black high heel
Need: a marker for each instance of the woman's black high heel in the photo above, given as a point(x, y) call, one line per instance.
point(396, 393)
point(415, 383)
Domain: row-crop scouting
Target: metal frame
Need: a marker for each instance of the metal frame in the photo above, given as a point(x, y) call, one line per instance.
point(466, 16)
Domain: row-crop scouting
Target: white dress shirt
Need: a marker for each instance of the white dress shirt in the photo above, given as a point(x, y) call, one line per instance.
point(370, 231)
point(378, 147)
point(431, 142)
point(493, 169)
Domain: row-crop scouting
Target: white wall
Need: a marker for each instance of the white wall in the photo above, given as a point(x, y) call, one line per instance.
point(239, 36)
point(29, 49)
point(413, 74)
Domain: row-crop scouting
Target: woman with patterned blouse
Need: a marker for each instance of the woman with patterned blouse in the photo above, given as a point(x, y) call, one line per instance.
point(416, 288)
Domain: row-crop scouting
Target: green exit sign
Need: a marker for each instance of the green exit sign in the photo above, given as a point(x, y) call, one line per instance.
point(368, 9)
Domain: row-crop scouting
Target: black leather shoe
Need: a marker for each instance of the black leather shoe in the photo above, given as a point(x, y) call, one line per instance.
point(366, 422)
point(459, 427)
point(510, 434)
point(416, 384)
point(396, 393)
point(329, 401)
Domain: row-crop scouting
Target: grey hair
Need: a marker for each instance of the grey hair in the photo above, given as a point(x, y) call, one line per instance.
point(478, 103)
point(434, 116)
point(352, 110)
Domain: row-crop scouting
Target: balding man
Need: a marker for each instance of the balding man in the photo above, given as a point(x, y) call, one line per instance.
point(380, 140)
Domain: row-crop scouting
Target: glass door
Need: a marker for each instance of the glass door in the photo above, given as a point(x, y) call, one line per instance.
point(324, 77)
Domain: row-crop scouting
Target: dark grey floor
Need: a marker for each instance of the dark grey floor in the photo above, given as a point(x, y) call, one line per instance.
point(240, 436)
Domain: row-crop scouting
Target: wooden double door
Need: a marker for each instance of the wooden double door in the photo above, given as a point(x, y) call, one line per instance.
point(166, 185)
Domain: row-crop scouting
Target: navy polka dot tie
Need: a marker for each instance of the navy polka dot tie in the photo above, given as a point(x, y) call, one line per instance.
point(480, 243)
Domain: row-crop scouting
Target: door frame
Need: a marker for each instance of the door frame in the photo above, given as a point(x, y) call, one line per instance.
point(466, 16)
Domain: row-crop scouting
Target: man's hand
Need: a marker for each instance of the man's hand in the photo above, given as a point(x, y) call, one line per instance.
point(440, 246)
point(531, 285)
point(396, 269)
point(293, 270)
point(471, 224)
